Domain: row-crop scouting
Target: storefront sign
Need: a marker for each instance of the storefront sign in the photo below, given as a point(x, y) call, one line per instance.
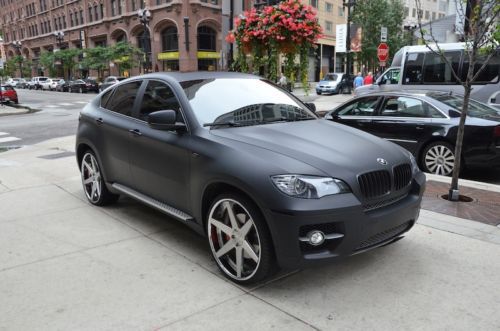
point(168, 56)
point(208, 55)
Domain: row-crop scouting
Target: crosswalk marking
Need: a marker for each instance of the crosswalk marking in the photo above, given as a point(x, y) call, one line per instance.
point(7, 139)
point(65, 104)
point(3, 133)
point(82, 102)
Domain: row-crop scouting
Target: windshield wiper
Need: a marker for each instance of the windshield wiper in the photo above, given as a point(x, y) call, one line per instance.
point(227, 123)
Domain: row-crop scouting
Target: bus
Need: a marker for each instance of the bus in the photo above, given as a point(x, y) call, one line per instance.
point(418, 68)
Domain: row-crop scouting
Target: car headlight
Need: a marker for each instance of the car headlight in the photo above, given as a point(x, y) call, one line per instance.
point(309, 187)
point(414, 164)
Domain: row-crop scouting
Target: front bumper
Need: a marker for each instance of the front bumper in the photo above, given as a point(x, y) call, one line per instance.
point(362, 230)
point(326, 89)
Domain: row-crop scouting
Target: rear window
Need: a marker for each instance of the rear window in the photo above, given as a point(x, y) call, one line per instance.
point(42, 79)
point(476, 109)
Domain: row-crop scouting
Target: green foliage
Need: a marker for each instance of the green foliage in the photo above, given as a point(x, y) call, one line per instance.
point(126, 55)
point(372, 15)
point(97, 58)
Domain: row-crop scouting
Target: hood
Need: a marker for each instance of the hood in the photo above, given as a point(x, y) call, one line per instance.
point(335, 149)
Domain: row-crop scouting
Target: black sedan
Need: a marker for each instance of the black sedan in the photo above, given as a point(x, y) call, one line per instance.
point(259, 174)
point(426, 124)
point(83, 86)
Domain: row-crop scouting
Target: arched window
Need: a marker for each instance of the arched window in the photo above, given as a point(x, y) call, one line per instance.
point(206, 39)
point(169, 39)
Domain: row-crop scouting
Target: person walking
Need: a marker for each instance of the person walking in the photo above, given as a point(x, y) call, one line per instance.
point(368, 79)
point(358, 81)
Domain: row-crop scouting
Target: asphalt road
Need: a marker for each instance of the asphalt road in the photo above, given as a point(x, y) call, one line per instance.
point(58, 117)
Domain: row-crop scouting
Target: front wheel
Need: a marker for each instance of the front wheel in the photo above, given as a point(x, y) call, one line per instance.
point(439, 158)
point(93, 183)
point(239, 239)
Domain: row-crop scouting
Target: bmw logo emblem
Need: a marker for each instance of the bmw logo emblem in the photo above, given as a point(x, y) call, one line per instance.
point(382, 161)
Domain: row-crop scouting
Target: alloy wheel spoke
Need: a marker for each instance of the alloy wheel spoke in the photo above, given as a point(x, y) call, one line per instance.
point(246, 228)
point(89, 168)
point(98, 188)
point(88, 180)
point(94, 166)
point(432, 152)
point(221, 226)
point(92, 193)
point(232, 217)
point(226, 248)
point(249, 250)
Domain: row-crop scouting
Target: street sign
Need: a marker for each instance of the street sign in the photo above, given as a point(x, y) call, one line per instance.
point(383, 52)
point(383, 34)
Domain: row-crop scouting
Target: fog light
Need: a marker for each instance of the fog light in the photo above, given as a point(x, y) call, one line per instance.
point(316, 237)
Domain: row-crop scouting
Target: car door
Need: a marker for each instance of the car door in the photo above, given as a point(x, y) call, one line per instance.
point(114, 122)
point(406, 121)
point(159, 160)
point(357, 113)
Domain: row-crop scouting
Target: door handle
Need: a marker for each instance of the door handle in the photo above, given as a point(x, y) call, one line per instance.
point(99, 120)
point(419, 127)
point(135, 132)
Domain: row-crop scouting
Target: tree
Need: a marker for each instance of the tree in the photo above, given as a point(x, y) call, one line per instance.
point(481, 36)
point(97, 58)
point(47, 61)
point(68, 59)
point(126, 56)
point(371, 16)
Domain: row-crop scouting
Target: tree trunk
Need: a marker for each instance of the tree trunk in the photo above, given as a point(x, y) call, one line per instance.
point(453, 194)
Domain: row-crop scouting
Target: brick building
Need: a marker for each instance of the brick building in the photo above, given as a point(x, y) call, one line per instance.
point(186, 35)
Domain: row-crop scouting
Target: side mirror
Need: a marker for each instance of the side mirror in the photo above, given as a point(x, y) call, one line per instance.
point(311, 106)
point(331, 117)
point(454, 113)
point(164, 120)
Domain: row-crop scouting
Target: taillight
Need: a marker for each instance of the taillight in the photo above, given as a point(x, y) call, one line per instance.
point(496, 132)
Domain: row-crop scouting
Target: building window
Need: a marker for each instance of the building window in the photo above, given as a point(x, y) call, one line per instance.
point(169, 39)
point(81, 16)
point(64, 21)
point(113, 7)
point(328, 26)
point(341, 11)
point(414, 12)
point(328, 7)
point(433, 16)
point(134, 6)
point(90, 14)
point(427, 15)
point(407, 12)
point(102, 10)
point(96, 13)
point(119, 3)
point(206, 39)
point(314, 3)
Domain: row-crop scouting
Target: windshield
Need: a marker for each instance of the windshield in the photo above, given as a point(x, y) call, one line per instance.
point(242, 101)
point(330, 77)
point(476, 109)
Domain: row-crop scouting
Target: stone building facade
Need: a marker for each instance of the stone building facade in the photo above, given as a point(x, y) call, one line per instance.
point(185, 35)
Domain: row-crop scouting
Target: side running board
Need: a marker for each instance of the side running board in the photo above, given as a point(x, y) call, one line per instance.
point(169, 210)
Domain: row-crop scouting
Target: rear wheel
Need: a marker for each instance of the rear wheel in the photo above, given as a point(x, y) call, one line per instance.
point(239, 239)
point(438, 158)
point(93, 182)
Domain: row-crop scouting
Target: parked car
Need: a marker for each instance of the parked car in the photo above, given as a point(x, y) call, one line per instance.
point(36, 82)
point(91, 85)
point(426, 124)
point(63, 85)
point(22, 83)
point(111, 80)
point(8, 94)
point(259, 174)
point(12, 81)
point(78, 86)
point(334, 83)
point(50, 84)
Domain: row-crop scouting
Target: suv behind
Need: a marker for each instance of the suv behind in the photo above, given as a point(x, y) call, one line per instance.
point(36, 82)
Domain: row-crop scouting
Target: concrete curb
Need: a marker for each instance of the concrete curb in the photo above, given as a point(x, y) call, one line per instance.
point(18, 110)
point(465, 182)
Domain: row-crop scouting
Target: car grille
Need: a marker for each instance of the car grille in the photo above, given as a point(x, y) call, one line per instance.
point(384, 236)
point(375, 184)
point(378, 183)
point(383, 203)
point(402, 176)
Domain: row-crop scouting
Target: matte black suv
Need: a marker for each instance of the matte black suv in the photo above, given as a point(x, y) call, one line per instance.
point(249, 166)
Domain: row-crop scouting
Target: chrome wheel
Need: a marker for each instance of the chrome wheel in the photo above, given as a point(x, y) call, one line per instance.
point(234, 239)
point(439, 159)
point(91, 178)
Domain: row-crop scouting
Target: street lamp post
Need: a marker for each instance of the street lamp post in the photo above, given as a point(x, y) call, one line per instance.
point(59, 39)
point(144, 16)
point(17, 45)
point(349, 4)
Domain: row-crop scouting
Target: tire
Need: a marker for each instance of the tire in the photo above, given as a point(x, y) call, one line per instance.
point(93, 183)
point(438, 158)
point(318, 93)
point(251, 241)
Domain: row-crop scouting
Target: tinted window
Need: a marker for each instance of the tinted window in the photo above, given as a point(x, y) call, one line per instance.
point(476, 109)
point(408, 107)
point(436, 70)
point(105, 98)
point(361, 107)
point(413, 68)
point(158, 96)
point(489, 74)
point(123, 99)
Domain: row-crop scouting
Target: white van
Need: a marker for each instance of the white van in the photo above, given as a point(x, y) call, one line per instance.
point(417, 68)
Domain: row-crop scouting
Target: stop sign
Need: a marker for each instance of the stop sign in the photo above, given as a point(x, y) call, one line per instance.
point(383, 52)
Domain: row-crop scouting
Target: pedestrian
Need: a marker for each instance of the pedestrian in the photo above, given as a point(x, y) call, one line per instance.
point(368, 79)
point(282, 81)
point(358, 81)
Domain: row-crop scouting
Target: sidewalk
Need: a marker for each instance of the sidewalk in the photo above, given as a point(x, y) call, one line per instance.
point(66, 265)
point(13, 110)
